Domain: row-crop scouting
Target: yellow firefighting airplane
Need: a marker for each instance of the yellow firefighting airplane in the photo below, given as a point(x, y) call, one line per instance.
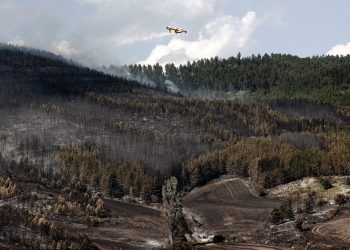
point(175, 30)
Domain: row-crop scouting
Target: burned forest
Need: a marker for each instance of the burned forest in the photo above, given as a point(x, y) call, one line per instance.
point(96, 159)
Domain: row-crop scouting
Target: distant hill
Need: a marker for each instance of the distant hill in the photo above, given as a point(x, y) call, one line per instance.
point(30, 72)
point(36, 52)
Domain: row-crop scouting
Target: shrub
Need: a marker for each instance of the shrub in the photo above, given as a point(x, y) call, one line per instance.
point(298, 223)
point(275, 216)
point(347, 181)
point(286, 210)
point(218, 238)
point(154, 198)
point(340, 199)
point(326, 183)
point(333, 213)
point(320, 202)
point(309, 203)
point(92, 221)
point(300, 210)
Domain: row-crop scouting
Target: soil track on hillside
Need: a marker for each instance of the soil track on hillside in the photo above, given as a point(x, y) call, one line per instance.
point(339, 229)
point(229, 207)
point(335, 232)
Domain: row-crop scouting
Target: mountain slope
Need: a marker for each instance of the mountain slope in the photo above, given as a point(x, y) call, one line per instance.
point(27, 74)
point(72, 137)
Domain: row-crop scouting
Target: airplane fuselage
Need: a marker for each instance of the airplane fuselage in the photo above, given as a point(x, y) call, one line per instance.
point(175, 30)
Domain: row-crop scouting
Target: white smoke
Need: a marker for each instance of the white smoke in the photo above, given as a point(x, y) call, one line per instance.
point(171, 87)
point(64, 48)
point(123, 72)
point(143, 80)
point(122, 39)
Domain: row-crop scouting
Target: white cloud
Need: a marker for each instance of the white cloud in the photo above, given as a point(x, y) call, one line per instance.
point(221, 37)
point(17, 41)
point(191, 7)
point(110, 26)
point(95, 32)
point(340, 49)
point(64, 48)
point(96, 2)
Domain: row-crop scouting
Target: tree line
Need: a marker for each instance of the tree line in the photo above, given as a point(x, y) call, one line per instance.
point(269, 163)
point(83, 165)
point(324, 79)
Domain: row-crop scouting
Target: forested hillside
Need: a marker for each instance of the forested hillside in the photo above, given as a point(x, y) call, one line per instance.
point(83, 135)
point(323, 79)
point(127, 122)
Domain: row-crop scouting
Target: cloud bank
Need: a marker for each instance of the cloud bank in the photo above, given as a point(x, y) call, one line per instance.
point(340, 50)
point(223, 36)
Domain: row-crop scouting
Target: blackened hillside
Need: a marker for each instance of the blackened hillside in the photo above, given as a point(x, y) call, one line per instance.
point(25, 74)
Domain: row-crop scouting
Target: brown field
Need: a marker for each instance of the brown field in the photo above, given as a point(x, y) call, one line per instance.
point(239, 246)
point(138, 227)
point(229, 207)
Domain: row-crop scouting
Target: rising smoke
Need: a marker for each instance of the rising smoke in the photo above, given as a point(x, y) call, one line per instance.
point(123, 71)
point(171, 87)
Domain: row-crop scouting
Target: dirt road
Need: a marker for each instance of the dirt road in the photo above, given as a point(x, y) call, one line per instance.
point(335, 232)
point(239, 247)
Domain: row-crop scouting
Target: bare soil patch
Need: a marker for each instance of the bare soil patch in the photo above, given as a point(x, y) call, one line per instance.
point(230, 207)
point(138, 227)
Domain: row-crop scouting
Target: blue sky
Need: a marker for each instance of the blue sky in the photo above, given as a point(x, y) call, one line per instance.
point(96, 32)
